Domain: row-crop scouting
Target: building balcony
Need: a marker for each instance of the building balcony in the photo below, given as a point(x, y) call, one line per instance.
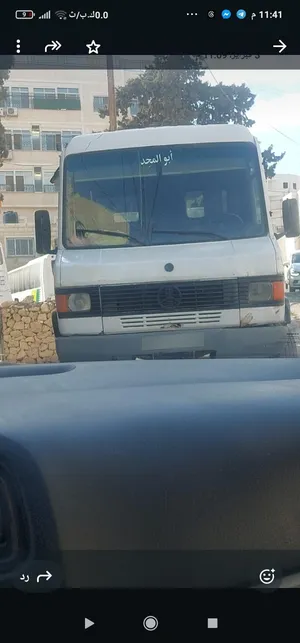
point(29, 158)
point(27, 188)
point(25, 225)
point(65, 102)
point(15, 200)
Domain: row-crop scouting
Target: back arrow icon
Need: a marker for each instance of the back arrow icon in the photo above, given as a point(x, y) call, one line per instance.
point(281, 46)
point(54, 45)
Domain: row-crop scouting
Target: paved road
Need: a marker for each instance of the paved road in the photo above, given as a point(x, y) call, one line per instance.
point(294, 297)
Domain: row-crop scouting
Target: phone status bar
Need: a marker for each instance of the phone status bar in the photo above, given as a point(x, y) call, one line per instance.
point(29, 14)
point(242, 14)
point(224, 15)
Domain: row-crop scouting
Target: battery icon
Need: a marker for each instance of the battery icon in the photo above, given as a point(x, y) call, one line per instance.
point(24, 14)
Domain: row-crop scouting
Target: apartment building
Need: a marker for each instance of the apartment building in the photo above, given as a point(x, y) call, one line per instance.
point(43, 111)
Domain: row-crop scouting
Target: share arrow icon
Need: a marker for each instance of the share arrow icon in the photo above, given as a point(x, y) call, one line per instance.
point(54, 46)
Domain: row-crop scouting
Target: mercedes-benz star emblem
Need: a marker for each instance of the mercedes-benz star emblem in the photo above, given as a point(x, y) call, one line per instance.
point(169, 297)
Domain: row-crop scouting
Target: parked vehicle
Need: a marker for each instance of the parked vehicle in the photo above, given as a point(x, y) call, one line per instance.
point(5, 292)
point(35, 279)
point(293, 273)
point(166, 247)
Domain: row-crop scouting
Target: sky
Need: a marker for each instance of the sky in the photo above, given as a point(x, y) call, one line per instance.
point(277, 107)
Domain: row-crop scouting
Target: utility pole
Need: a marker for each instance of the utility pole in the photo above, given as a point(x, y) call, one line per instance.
point(112, 112)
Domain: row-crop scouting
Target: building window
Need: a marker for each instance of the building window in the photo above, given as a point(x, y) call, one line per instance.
point(66, 92)
point(55, 141)
point(51, 141)
point(48, 186)
point(18, 139)
point(294, 186)
point(42, 98)
point(56, 98)
point(10, 217)
point(38, 180)
point(66, 137)
point(16, 181)
point(22, 140)
point(20, 247)
point(134, 107)
point(100, 102)
point(20, 183)
point(24, 181)
point(17, 97)
point(44, 92)
point(285, 185)
point(7, 183)
point(36, 137)
point(8, 139)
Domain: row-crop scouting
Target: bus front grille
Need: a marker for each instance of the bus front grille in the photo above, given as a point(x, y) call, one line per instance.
point(169, 297)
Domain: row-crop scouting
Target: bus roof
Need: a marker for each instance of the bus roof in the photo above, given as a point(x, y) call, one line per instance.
point(152, 136)
point(33, 262)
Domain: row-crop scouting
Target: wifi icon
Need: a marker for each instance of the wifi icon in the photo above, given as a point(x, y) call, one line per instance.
point(62, 15)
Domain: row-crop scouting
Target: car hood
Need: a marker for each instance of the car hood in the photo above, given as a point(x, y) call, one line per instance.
point(209, 260)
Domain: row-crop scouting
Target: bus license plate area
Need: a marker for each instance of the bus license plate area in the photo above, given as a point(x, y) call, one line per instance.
point(180, 355)
point(173, 341)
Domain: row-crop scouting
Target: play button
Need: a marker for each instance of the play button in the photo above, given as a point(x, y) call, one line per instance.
point(88, 623)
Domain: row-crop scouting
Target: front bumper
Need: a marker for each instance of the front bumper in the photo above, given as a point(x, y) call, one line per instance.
point(255, 341)
point(294, 281)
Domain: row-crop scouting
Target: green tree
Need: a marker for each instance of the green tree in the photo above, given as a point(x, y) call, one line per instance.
point(270, 160)
point(6, 63)
point(182, 97)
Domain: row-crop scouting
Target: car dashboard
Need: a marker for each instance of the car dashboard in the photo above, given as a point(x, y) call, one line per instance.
point(151, 474)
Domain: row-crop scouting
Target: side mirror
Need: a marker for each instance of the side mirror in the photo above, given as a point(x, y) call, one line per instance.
point(291, 221)
point(42, 232)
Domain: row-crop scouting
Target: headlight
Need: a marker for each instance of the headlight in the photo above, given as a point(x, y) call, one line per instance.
point(260, 291)
point(79, 302)
point(294, 272)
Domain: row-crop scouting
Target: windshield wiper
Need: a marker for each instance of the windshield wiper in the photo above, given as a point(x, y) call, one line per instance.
point(109, 233)
point(187, 232)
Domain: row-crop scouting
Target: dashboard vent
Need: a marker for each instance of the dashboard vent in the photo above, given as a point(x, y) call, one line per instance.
point(14, 525)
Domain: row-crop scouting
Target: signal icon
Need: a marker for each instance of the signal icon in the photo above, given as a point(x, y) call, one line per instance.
point(62, 15)
point(45, 16)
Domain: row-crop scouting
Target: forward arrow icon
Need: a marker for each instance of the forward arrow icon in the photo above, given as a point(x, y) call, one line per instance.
point(54, 45)
point(281, 46)
point(88, 623)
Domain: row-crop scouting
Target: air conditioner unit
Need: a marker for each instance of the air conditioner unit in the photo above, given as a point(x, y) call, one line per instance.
point(12, 111)
point(2, 111)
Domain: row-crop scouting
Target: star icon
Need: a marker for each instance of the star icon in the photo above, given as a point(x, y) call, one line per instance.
point(93, 47)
